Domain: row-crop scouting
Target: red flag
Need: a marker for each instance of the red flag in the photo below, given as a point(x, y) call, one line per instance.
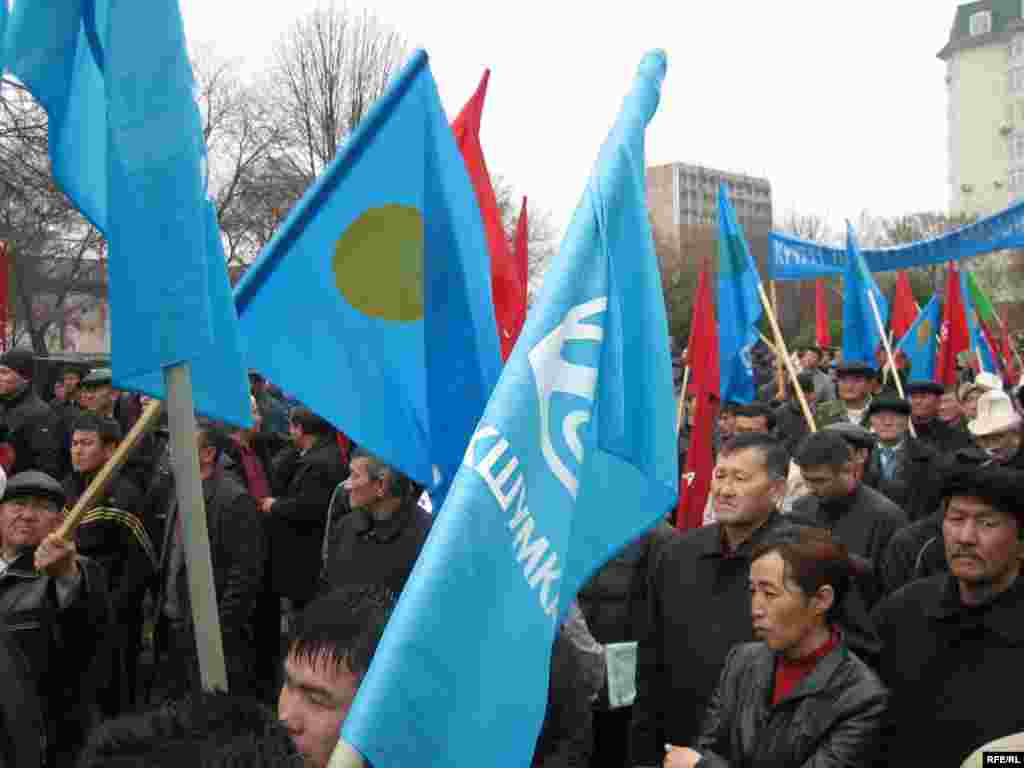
point(822, 332)
point(5, 272)
point(1013, 371)
point(904, 308)
point(521, 259)
point(702, 354)
point(954, 337)
point(505, 282)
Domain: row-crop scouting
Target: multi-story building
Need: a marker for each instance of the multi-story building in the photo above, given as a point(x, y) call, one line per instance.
point(985, 112)
point(683, 204)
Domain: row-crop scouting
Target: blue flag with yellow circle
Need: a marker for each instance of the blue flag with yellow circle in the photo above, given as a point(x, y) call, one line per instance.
point(372, 304)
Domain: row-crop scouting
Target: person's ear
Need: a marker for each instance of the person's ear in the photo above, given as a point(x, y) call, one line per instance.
point(823, 600)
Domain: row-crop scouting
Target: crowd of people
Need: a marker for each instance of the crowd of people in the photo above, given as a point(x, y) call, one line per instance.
point(854, 599)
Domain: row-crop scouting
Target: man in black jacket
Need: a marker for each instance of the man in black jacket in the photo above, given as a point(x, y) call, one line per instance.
point(237, 549)
point(304, 480)
point(29, 428)
point(698, 598)
point(379, 540)
point(901, 468)
point(56, 607)
point(859, 517)
point(113, 534)
point(953, 644)
point(925, 398)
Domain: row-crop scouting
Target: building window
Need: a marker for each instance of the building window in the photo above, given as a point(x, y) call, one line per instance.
point(1017, 80)
point(1017, 182)
point(1017, 148)
point(981, 23)
point(1017, 47)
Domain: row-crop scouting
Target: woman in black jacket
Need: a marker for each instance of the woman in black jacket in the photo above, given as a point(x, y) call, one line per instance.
point(799, 697)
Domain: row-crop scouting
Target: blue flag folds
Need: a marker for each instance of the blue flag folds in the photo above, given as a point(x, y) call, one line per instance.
point(127, 146)
point(861, 334)
point(921, 344)
point(574, 457)
point(739, 305)
point(372, 304)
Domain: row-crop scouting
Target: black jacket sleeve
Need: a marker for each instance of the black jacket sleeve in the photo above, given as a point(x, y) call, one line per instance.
point(243, 549)
point(314, 483)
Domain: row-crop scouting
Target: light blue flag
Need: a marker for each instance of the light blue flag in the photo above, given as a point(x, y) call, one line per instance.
point(861, 335)
point(372, 304)
point(574, 457)
point(921, 344)
point(127, 146)
point(739, 306)
point(213, 394)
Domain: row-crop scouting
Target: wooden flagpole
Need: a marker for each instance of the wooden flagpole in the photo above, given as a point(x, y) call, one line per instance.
point(682, 400)
point(888, 353)
point(781, 344)
point(102, 479)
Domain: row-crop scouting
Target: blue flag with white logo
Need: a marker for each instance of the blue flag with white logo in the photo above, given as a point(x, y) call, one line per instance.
point(574, 457)
point(862, 336)
point(739, 306)
point(372, 304)
point(921, 344)
point(127, 147)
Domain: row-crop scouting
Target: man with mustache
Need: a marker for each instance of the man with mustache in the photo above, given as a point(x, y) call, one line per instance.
point(953, 644)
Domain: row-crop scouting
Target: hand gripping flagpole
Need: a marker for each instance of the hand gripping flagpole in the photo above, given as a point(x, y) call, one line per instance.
point(780, 344)
point(888, 354)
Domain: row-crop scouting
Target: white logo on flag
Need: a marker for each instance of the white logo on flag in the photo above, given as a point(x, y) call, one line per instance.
point(553, 373)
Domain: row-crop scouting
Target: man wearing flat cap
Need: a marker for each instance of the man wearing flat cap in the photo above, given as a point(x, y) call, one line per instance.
point(56, 607)
point(855, 382)
point(901, 467)
point(953, 644)
point(29, 428)
point(925, 399)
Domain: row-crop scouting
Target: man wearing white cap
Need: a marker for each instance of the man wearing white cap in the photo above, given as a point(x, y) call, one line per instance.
point(997, 429)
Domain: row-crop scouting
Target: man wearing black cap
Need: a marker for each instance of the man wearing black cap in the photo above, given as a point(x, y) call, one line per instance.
point(33, 436)
point(855, 383)
point(901, 467)
point(953, 644)
point(925, 397)
point(55, 606)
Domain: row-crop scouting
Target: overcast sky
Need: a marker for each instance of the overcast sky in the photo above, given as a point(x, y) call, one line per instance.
point(841, 106)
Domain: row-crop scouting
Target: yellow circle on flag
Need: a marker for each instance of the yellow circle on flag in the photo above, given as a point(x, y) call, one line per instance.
point(378, 263)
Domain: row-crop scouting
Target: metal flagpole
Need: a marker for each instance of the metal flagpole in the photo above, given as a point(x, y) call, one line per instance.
point(192, 513)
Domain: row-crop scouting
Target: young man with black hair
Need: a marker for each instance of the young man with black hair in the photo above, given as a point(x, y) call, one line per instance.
point(205, 730)
point(113, 534)
point(755, 418)
point(304, 479)
point(698, 597)
point(330, 648)
point(860, 517)
point(953, 644)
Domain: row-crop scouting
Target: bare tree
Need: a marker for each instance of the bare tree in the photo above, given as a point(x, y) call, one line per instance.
point(542, 234)
point(328, 70)
point(53, 252)
point(253, 180)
